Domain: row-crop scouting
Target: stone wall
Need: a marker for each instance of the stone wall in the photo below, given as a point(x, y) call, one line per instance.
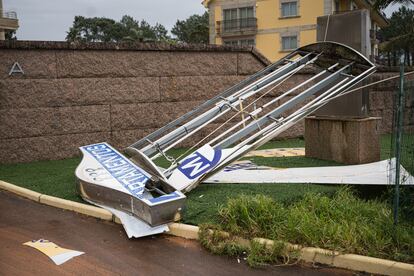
point(382, 98)
point(76, 94)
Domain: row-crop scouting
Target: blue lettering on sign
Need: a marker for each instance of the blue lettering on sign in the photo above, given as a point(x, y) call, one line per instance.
point(120, 168)
point(242, 166)
point(164, 197)
point(196, 164)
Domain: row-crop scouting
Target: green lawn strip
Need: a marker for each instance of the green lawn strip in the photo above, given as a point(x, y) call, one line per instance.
point(286, 143)
point(204, 201)
point(342, 222)
point(308, 214)
point(407, 152)
point(55, 178)
point(385, 145)
point(407, 149)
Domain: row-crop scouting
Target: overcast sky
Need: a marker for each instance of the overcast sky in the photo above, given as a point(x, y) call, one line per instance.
point(51, 19)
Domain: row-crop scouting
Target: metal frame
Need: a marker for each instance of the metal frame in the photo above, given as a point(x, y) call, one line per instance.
point(332, 70)
point(337, 68)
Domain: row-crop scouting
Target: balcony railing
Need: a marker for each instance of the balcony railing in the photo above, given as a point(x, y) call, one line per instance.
point(237, 26)
point(9, 14)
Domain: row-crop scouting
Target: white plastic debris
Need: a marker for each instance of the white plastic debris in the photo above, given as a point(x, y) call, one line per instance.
point(57, 254)
point(376, 173)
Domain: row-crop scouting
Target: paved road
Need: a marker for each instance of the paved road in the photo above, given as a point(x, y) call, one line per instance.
point(108, 250)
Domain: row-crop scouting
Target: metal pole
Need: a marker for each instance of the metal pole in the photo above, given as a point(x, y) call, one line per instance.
point(228, 92)
point(400, 114)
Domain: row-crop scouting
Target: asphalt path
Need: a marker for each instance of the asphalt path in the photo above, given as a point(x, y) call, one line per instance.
point(108, 251)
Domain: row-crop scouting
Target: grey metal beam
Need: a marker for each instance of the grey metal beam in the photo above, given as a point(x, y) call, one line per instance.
point(260, 109)
point(253, 126)
point(223, 94)
point(183, 131)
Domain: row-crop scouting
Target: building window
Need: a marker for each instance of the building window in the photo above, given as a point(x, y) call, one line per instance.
point(238, 18)
point(289, 9)
point(245, 14)
point(289, 42)
point(231, 42)
point(230, 19)
point(241, 42)
point(247, 42)
point(230, 14)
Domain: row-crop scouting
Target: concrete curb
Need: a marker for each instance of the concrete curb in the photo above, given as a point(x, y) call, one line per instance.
point(76, 206)
point(307, 254)
point(58, 202)
point(20, 191)
point(184, 231)
point(348, 261)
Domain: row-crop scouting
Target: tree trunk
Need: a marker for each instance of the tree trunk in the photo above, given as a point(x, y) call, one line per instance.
point(389, 58)
point(394, 60)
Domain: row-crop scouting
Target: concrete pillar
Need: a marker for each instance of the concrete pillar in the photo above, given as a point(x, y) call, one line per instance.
point(344, 140)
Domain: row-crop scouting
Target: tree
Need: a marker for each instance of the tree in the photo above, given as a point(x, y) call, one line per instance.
point(194, 29)
point(382, 4)
point(398, 37)
point(100, 29)
point(143, 31)
point(93, 29)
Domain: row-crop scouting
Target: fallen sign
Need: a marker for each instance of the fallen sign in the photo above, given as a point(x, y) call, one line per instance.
point(376, 173)
point(238, 121)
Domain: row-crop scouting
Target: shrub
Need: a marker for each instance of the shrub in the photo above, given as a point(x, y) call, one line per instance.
point(343, 223)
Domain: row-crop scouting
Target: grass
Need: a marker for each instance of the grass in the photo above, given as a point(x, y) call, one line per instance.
point(204, 202)
point(220, 243)
point(287, 143)
point(407, 152)
point(255, 254)
point(407, 161)
point(55, 178)
point(313, 215)
point(343, 222)
point(278, 253)
point(385, 145)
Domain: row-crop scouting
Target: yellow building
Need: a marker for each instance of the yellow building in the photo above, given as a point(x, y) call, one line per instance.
point(8, 21)
point(278, 26)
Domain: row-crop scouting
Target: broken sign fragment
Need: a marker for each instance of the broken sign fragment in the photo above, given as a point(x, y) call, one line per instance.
point(58, 254)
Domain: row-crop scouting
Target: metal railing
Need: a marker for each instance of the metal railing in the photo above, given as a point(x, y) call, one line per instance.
point(237, 25)
point(9, 14)
point(401, 164)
